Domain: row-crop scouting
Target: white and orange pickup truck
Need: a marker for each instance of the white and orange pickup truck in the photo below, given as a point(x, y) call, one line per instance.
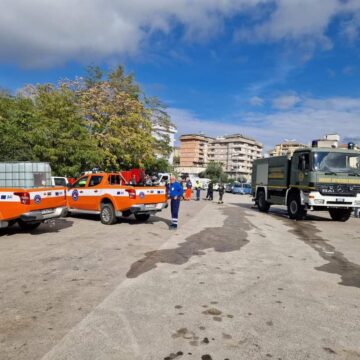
point(30, 207)
point(108, 195)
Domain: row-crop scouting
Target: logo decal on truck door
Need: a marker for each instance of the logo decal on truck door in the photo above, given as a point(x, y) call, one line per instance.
point(37, 199)
point(75, 195)
point(142, 195)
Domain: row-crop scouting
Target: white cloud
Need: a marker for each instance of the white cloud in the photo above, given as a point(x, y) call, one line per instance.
point(312, 119)
point(49, 32)
point(256, 101)
point(284, 102)
point(351, 28)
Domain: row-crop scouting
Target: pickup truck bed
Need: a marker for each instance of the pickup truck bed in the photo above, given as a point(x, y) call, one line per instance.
point(30, 207)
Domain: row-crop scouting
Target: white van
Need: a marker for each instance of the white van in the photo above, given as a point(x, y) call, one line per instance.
point(59, 181)
point(164, 178)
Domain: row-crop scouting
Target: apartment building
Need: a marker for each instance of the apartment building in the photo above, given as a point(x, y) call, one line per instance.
point(194, 150)
point(286, 148)
point(236, 152)
point(163, 133)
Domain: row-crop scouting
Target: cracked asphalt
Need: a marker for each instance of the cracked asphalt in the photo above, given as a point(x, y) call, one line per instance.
point(230, 283)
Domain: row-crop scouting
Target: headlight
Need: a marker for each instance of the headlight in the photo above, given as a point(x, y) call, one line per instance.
point(357, 202)
point(319, 201)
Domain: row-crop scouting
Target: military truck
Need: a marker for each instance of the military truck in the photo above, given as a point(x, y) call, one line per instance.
point(318, 179)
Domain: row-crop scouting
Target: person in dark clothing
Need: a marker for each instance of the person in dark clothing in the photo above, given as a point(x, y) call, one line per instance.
point(210, 191)
point(221, 193)
point(176, 192)
point(198, 190)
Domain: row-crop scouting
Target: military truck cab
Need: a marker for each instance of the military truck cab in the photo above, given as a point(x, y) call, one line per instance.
point(314, 179)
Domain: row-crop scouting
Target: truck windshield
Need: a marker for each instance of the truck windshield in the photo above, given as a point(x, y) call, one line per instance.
point(336, 162)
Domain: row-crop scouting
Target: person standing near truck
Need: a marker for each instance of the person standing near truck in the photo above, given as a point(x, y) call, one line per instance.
point(210, 191)
point(197, 189)
point(188, 191)
point(221, 192)
point(176, 192)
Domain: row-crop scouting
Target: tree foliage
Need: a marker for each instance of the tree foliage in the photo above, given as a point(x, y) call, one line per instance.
point(103, 120)
point(215, 172)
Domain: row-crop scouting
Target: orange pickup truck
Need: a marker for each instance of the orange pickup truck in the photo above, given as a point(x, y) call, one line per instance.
point(108, 195)
point(30, 207)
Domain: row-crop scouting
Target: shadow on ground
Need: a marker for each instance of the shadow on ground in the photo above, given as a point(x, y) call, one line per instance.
point(221, 239)
point(123, 220)
point(52, 226)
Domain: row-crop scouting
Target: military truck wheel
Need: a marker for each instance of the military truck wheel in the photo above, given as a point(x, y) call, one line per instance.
point(107, 214)
point(340, 214)
point(263, 205)
point(296, 211)
point(28, 226)
point(142, 217)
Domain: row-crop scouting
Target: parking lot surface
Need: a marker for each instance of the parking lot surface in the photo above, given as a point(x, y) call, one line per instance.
point(230, 283)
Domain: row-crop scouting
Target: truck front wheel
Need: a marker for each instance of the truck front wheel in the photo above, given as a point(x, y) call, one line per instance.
point(263, 205)
point(340, 214)
point(296, 211)
point(107, 214)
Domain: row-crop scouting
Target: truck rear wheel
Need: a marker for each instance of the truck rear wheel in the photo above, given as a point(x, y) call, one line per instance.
point(340, 214)
point(296, 211)
point(28, 226)
point(107, 214)
point(142, 217)
point(263, 205)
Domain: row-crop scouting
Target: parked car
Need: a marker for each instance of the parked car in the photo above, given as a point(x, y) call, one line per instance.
point(242, 189)
point(216, 187)
point(229, 187)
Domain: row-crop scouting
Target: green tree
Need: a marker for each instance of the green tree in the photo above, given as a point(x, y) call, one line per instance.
point(158, 166)
point(17, 121)
point(62, 138)
point(119, 124)
point(215, 172)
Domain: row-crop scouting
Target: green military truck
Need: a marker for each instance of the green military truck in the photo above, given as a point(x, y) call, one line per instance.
point(326, 179)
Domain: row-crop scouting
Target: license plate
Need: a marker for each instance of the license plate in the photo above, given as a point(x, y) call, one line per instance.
point(47, 211)
point(340, 200)
point(150, 206)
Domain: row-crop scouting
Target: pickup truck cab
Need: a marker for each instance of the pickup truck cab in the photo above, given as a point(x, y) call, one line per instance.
point(30, 207)
point(108, 195)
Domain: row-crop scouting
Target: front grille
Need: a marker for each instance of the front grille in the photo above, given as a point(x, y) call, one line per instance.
point(339, 203)
point(339, 189)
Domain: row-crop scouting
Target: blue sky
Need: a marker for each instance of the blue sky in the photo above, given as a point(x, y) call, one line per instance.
point(270, 69)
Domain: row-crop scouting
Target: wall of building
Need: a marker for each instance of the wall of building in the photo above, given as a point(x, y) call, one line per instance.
point(286, 148)
point(193, 150)
point(235, 152)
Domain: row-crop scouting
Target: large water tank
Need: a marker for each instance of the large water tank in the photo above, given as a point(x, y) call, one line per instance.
point(24, 174)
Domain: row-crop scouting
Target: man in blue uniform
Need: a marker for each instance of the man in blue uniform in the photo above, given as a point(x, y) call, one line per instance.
point(176, 191)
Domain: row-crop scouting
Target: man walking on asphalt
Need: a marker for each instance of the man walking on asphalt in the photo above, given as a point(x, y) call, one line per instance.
point(198, 189)
point(176, 192)
point(221, 192)
point(210, 191)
